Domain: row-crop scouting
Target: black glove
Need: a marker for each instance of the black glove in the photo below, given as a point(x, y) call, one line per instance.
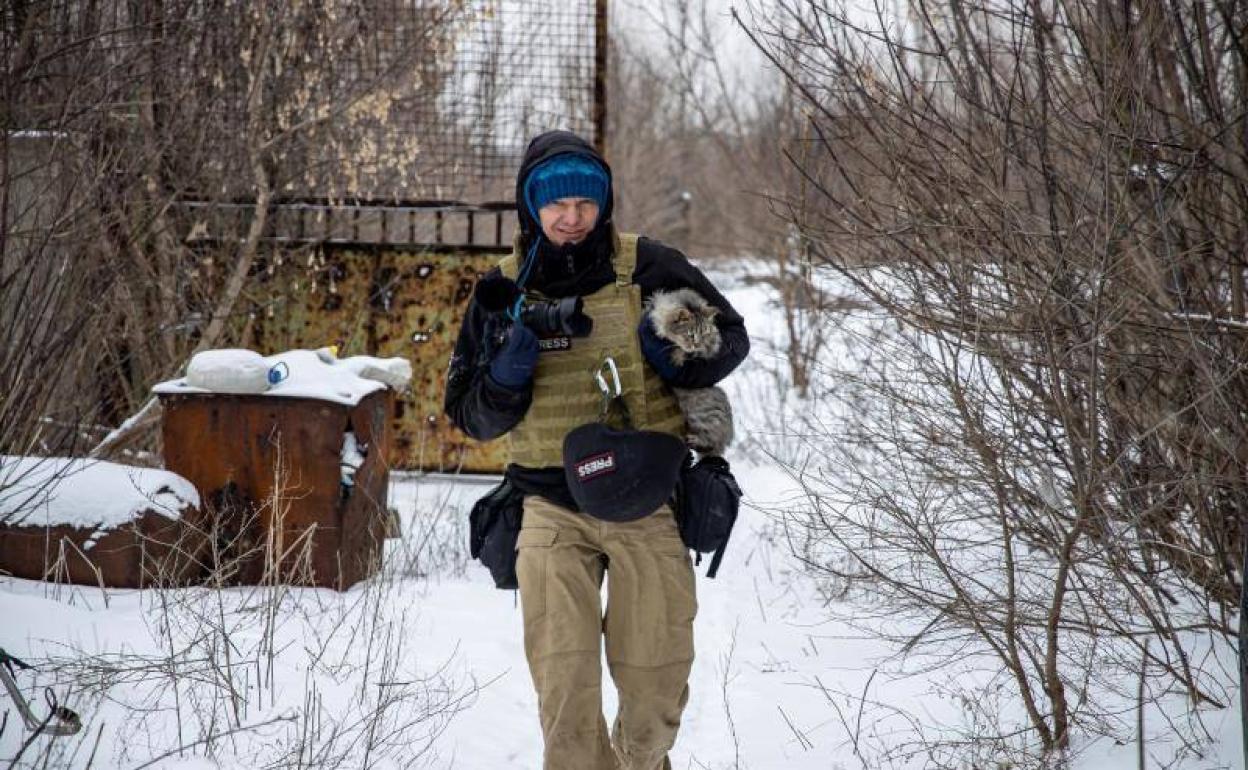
point(657, 350)
point(515, 361)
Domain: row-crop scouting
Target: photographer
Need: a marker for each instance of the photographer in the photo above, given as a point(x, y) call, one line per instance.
point(504, 379)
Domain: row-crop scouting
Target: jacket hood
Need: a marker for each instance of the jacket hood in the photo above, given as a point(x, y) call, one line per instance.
point(543, 147)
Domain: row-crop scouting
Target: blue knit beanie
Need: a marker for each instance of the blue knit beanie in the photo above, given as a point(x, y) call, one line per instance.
point(566, 176)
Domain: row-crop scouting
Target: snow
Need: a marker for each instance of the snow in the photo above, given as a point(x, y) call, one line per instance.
point(788, 673)
point(350, 459)
point(54, 491)
point(395, 372)
point(1206, 318)
point(129, 423)
point(34, 133)
point(229, 371)
point(302, 373)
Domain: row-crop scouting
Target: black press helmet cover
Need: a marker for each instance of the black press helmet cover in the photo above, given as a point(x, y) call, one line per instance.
point(621, 475)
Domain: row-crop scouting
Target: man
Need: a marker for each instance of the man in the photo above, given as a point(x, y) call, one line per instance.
point(537, 392)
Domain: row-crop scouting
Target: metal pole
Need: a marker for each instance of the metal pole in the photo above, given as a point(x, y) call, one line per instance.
point(60, 720)
point(1243, 635)
point(600, 76)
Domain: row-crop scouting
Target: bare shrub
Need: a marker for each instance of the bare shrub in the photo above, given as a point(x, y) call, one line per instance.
point(1043, 469)
point(115, 115)
point(700, 150)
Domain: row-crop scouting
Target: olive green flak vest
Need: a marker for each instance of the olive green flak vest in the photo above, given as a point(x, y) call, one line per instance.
point(565, 393)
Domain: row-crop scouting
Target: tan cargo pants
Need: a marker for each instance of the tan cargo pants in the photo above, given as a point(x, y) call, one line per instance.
point(648, 625)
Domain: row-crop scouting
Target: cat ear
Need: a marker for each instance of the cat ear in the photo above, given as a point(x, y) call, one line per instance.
point(709, 311)
point(682, 315)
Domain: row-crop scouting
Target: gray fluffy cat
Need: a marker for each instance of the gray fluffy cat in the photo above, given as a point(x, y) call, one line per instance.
point(684, 318)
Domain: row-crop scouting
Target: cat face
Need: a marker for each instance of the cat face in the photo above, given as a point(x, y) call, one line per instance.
point(693, 330)
point(687, 320)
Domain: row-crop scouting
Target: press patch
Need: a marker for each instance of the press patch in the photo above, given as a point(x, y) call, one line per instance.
point(598, 465)
point(554, 343)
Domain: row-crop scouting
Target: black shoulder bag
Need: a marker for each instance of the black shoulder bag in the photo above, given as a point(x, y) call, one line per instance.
point(707, 501)
point(493, 528)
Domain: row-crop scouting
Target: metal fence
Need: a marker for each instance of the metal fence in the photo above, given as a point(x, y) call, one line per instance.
point(392, 100)
point(524, 67)
point(495, 73)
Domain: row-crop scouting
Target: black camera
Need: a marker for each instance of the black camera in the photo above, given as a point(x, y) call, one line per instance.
point(556, 317)
point(546, 317)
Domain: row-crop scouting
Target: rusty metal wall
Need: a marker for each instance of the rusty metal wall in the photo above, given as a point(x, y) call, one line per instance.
point(382, 301)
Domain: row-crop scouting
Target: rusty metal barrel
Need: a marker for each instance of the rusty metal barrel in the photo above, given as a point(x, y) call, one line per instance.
point(276, 506)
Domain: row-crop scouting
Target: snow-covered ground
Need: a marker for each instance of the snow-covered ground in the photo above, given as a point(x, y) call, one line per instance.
point(423, 666)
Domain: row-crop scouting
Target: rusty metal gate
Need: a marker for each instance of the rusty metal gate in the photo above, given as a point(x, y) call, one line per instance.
point(365, 267)
point(385, 302)
point(378, 280)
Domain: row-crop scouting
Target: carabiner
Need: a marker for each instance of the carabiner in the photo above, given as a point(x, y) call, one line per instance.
point(609, 363)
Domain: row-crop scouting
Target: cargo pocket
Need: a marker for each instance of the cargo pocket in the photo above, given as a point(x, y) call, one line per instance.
point(680, 587)
point(532, 556)
point(651, 607)
point(666, 539)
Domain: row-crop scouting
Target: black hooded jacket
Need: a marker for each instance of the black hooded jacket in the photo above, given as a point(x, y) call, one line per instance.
point(482, 408)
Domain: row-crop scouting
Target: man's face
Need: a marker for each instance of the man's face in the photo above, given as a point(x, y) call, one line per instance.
point(568, 220)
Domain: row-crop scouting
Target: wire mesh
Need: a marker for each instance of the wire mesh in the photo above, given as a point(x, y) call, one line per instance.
point(468, 90)
point(524, 67)
point(382, 100)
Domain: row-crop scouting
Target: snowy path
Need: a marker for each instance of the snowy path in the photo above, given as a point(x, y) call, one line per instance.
point(766, 655)
point(766, 680)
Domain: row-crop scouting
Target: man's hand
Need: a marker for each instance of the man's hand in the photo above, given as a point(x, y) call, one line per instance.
point(657, 350)
point(515, 361)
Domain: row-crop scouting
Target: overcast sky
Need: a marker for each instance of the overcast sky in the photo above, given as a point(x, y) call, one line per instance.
point(641, 20)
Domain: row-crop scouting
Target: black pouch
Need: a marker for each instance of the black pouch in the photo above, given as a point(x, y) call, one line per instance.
point(707, 501)
point(493, 528)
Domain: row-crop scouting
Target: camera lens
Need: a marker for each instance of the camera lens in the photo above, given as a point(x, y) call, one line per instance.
point(563, 316)
point(573, 319)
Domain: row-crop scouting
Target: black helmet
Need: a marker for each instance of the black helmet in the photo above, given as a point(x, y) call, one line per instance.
point(621, 475)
